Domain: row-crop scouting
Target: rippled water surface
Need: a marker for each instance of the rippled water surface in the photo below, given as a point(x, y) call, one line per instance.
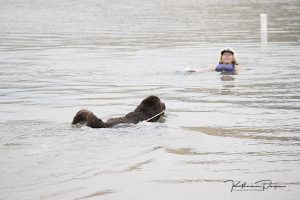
point(57, 57)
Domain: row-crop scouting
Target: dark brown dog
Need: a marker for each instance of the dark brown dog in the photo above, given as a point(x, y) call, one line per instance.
point(150, 107)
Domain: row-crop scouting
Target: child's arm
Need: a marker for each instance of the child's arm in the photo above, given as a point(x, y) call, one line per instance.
point(213, 68)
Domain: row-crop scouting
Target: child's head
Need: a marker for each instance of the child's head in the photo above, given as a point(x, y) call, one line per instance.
point(227, 56)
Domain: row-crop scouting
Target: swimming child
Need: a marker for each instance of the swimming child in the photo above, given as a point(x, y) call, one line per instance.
point(227, 63)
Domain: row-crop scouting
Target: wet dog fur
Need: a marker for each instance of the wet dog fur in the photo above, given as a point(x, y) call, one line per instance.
point(148, 108)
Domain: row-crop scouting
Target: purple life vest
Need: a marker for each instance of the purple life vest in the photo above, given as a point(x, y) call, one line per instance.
point(225, 68)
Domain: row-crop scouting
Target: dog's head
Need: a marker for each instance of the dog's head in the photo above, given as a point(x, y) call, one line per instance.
point(152, 106)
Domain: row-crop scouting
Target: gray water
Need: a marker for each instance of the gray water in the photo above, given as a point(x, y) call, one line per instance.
point(57, 57)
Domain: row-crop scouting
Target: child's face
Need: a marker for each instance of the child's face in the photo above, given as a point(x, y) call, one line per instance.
point(227, 58)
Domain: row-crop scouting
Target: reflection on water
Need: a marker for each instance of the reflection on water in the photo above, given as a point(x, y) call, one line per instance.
point(259, 134)
point(227, 78)
point(57, 57)
point(97, 194)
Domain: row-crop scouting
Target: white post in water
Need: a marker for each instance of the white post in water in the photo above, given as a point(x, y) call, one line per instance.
point(263, 29)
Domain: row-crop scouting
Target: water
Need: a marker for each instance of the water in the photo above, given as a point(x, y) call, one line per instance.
point(57, 57)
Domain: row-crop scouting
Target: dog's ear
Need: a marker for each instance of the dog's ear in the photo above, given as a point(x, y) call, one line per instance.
point(151, 106)
point(150, 101)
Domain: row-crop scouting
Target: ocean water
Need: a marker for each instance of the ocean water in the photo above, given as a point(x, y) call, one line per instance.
point(57, 57)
